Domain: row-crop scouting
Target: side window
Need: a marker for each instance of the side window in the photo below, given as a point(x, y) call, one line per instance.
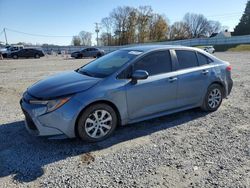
point(203, 60)
point(186, 59)
point(155, 63)
point(125, 74)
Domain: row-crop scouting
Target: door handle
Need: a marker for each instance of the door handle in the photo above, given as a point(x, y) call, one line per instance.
point(205, 72)
point(172, 79)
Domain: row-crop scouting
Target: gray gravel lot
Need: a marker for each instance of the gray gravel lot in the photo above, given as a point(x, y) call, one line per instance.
point(188, 149)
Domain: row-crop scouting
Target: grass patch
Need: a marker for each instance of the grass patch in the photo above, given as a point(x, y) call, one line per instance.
point(240, 48)
point(229, 47)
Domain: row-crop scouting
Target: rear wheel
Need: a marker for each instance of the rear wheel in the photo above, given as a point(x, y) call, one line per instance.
point(15, 56)
point(37, 56)
point(97, 122)
point(213, 98)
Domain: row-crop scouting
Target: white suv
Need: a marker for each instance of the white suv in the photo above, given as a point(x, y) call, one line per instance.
point(209, 49)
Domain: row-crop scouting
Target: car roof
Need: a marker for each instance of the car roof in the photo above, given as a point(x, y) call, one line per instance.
point(146, 48)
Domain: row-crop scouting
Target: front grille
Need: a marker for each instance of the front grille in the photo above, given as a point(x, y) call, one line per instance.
point(29, 121)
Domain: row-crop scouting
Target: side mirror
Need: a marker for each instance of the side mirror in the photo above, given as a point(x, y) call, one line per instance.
point(139, 75)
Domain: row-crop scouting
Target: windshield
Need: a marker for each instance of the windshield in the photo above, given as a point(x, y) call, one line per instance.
point(108, 64)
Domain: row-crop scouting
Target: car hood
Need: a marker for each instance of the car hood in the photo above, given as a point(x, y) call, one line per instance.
point(62, 84)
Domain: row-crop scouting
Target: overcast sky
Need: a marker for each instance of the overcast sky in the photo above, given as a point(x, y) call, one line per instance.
point(69, 17)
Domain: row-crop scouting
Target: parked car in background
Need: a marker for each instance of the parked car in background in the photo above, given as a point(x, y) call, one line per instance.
point(209, 49)
point(123, 87)
point(9, 49)
point(88, 52)
point(26, 53)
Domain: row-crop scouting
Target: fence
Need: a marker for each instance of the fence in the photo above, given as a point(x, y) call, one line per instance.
point(188, 42)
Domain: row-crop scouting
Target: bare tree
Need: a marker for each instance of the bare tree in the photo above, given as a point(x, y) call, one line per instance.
point(106, 39)
point(107, 25)
point(179, 31)
point(198, 25)
point(76, 41)
point(85, 38)
point(214, 27)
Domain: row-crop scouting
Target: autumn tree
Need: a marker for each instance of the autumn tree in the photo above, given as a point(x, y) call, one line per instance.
point(144, 16)
point(243, 28)
point(158, 28)
point(131, 26)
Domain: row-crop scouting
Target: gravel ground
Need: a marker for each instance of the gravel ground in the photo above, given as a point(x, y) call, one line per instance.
point(187, 149)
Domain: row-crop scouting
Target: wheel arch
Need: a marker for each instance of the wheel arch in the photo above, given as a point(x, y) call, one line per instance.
point(98, 102)
point(222, 86)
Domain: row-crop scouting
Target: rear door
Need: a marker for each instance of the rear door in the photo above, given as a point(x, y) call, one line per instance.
point(23, 53)
point(31, 53)
point(158, 92)
point(192, 79)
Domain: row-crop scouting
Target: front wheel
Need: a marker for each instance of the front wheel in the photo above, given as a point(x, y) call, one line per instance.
point(98, 55)
point(213, 98)
point(97, 122)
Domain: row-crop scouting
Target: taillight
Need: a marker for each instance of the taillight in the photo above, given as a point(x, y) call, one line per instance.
point(229, 68)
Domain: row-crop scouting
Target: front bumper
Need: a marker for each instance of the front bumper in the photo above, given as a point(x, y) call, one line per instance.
point(58, 122)
point(34, 126)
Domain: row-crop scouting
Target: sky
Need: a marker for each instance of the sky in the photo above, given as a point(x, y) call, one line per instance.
point(68, 17)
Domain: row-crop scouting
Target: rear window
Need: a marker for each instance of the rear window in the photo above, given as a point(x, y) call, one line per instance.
point(203, 60)
point(186, 59)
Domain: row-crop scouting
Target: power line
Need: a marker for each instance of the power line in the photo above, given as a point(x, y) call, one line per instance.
point(38, 35)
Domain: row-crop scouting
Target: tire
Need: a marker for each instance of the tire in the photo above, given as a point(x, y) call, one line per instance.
point(15, 56)
point(99, 55)
point(37, 56)
point(213, 98)
point(90, 128)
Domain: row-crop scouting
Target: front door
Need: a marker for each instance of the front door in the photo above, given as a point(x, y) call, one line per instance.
point(158, 92)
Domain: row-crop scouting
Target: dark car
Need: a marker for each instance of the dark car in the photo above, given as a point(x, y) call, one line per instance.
point(26, 53)
point(88, 52)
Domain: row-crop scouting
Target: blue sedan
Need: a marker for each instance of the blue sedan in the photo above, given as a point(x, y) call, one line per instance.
point(123, 87)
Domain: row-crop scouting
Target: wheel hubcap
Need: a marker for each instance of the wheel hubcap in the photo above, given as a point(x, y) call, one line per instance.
point(214, 98)
point(98, 123)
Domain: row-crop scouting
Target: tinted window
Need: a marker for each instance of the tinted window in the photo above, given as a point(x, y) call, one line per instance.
point(155, 63)
point(203, 60)
point(125, 74)
point(186, 59)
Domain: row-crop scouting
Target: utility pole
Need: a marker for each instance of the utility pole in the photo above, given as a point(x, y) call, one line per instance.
point(6, 40)
point(97, 29)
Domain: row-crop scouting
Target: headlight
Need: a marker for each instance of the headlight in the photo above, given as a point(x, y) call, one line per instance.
point(51, 104)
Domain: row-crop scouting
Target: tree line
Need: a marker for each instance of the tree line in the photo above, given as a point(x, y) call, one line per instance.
point(129, 25)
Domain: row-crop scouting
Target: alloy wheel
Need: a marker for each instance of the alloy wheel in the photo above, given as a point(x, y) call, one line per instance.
point(98, 124)
point(214, 98)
